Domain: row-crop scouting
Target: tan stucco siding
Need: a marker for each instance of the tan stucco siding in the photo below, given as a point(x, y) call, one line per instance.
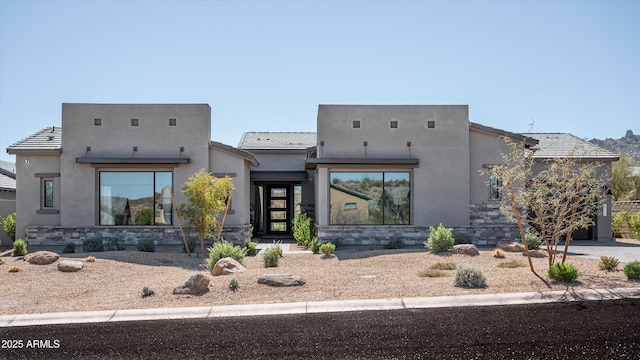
point(484, 150)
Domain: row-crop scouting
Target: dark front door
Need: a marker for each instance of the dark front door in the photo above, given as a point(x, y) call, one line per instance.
point(278, 200)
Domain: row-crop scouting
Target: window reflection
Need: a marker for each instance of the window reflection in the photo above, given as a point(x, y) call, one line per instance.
point(136, 198)
point(370, 198)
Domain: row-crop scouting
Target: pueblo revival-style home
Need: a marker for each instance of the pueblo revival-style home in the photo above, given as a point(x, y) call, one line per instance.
point(369, 175)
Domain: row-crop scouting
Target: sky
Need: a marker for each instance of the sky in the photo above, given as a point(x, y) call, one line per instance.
point(540, 66)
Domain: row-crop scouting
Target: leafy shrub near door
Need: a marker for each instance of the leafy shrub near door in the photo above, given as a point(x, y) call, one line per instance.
point(440, 239)
point(69, 248)
point(271, 256)
point(304, 230)
point(19, 248)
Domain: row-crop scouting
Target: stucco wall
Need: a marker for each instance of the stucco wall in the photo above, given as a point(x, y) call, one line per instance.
point(280, 160)
point(222, 163)
point(484, 149)
point(440, 185)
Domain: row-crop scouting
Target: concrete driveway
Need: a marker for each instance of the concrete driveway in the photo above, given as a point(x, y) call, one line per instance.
point(624, 250)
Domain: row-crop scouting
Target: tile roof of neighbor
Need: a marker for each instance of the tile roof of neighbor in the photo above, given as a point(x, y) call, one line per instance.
point(46, 139)
point(7, 176)
point(277, 140)
point(553, 145)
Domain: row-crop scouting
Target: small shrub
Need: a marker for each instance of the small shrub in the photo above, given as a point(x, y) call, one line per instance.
point(314, 245)
point(618, 220)
point(69, 247)
point(462, 238)
point(225, 249)
point(114, 244)
point(608, 263)
point(395, 244)
point(440, 239)
point(511, 264)
point(15, 269)
point(431, 273)
point(19, 248)
point(563, 272)
point(327, 248)
point(191, 243)
point(533, 240)
point(233, 285)
point(146, 245)
point(9, 226)
point(634, 222)
point(251, 248)
point(271, 256)
point(92, 244)
point(146, 292)
point(304, 230)
point(632, 270)
point(449, 265)
point(467, 276)
point(90, 259)
point(497, 253)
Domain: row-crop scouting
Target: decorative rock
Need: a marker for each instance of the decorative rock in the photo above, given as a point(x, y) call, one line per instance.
point(280, 280)
point(510, 246)
point(226, 266)
point(197, 284)
point(465, 249)
point(536, 254)
point(70, 266)
point(42, 257)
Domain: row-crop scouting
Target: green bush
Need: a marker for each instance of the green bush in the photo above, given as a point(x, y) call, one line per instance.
point(146, 245)
point(225, 249)
point(394, 244)
point(233, 285)
point(9, 226)
point(563, 272)
point(632, 270)
point(327, 248)
point(144, 217)
point(462, 238)
point(304, 230)
point(191, 243)
point(69, 247)
point(468, 276)
point(114, 244)
point(271, 256)
point(608, 263)
point(314, 245)
point(533, 240)
point(440, 239)
point(19, 248)
point(618, 221)
point(146, 292)
point(634, 222)
point(92, 244)
point(251, 248)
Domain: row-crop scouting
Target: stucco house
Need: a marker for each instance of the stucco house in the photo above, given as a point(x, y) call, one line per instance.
point(7, 194)
point(370, 174)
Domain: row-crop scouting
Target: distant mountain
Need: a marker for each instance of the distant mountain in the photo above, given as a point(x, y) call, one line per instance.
point(629, 145)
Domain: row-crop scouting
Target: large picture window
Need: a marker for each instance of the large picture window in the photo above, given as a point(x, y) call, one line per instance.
point(136, 198)
point(378, 198)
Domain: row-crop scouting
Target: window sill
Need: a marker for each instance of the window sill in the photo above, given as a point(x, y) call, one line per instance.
point(47, 211)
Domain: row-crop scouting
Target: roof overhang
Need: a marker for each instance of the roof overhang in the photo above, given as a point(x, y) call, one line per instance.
point(133, 161)
point(529, 142)
point(17, 151)
point(313, 163)
point(279, 176)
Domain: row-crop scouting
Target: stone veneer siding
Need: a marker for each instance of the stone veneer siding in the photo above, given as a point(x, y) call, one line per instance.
point(487, 227)
point(163, 235)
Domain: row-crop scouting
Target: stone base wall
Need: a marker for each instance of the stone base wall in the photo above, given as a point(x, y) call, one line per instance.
point(162, 235)
point(410, 235)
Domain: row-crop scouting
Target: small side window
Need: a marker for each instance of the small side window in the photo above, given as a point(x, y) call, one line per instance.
point(97, 122)
point(47, 193)
point(494, 188)
point(356, 124)
point(172, 122)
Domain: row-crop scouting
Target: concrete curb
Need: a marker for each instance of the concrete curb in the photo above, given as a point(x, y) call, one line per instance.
point(311, 307)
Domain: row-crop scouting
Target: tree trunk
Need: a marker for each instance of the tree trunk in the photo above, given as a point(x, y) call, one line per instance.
point(520, 227)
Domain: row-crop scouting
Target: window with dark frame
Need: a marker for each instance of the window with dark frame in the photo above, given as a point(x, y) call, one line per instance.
point(393, 124)
point(431, 124)
point(494, 188)
point(47, 191)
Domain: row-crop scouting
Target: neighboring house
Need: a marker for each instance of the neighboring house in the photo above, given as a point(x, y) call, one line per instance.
point(7, 194)
point(371, 174)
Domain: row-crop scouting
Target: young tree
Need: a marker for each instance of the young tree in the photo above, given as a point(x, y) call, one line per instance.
point(206, 200)
point(560, 197)
point(622, 182)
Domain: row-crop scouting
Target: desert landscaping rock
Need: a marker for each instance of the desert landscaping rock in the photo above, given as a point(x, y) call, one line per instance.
point(226, 266)
point(70, 266)
point(197, 284)
point(279, 280)
point(42, 258)
point(510, 246)
point(465, 249)
point(536, 254)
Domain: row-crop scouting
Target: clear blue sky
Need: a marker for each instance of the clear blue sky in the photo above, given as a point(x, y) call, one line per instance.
point(571, 66)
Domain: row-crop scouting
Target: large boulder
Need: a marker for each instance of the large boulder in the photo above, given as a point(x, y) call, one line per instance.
point(279, 280)
point(226, 266)
point(465, 249)
point(42, 257)
point(510, 246)
point(197, 284)
point(70, 266)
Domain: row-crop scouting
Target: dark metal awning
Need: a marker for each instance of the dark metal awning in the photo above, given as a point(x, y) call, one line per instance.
point(352, 162)
point(279, 176)
point(133, 161)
